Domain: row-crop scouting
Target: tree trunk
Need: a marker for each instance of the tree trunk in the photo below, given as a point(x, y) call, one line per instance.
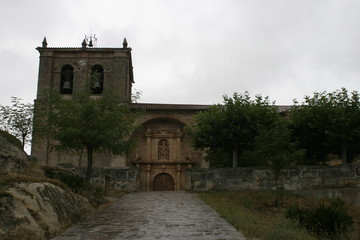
point(235, 156)
point(23, 142)
point(89, 164)
point(81, 157)
point(344, 153)
point(277, 194)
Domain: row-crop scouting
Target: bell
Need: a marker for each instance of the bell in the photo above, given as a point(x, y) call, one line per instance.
point(90, 43)
point(97, 85)
point(66, 86)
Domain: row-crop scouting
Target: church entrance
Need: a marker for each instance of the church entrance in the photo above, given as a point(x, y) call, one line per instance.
point(163, 182)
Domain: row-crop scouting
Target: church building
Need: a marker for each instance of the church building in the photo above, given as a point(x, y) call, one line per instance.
point(163, 151)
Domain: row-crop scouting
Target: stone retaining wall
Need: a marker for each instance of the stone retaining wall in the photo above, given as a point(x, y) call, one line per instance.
point(125, 178)
point(306, 177)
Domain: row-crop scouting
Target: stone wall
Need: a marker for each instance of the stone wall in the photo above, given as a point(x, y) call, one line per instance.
point(306, 177)
point(125, 178)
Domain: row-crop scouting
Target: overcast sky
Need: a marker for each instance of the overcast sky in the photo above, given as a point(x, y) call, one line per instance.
point(194, 51)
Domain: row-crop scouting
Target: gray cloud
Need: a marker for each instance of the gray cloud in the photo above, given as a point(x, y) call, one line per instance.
point(195, 51)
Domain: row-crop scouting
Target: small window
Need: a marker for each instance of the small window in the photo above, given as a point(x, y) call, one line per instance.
point(97, 79)
point(66, 83)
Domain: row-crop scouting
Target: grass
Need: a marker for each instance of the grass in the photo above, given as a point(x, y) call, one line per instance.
point(255, 215)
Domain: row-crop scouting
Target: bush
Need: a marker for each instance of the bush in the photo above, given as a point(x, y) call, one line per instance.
point(94, 193)
point(294, 212)
point(97, 196)
point(329, 221)
point(74, 181)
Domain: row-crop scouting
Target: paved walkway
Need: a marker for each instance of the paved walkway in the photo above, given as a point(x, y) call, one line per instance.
point(154, 215)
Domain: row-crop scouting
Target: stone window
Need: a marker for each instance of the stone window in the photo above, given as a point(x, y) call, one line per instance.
point(97, 79)
point(66, 82)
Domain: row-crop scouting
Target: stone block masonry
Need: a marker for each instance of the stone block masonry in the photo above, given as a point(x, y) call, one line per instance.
point(298, 178)
point(125, 178)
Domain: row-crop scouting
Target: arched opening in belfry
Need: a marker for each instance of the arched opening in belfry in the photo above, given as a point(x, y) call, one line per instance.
point(97, 79)
point(163, 182)
point(67, 79)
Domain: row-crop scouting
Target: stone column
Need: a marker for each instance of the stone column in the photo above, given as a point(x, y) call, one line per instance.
point(148, 145)
point(178, 145)
point(178, 177)
point(148, 177)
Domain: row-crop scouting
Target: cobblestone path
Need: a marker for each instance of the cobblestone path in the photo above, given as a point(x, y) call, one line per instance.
point(154, 215)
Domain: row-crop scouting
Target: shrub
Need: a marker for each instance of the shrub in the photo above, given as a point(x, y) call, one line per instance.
point(294, 212)
point(329, 221)
point(94, 193)
point(74, 181)
point(98, 195)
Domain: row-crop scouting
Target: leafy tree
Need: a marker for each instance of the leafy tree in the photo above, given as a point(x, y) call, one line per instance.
point(232, 127)
point(328, 123)
point(96, 124)
point(17, 119)
point(275, 149)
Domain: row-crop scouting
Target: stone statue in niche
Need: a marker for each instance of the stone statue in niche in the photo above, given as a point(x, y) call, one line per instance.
point(163, 149)
point(148, 132)
point(188, 156)
point(163, 130)
point(137, 155)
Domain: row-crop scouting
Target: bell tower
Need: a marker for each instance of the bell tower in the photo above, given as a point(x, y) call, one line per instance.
point(71, 70)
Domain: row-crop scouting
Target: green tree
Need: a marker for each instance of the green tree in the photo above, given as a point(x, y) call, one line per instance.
point(17, 119)
point(275, 149)
point(232, 127)
point(96, 124)
point(328, 123)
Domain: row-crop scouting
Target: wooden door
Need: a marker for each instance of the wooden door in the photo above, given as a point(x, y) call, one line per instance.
point(163, 182)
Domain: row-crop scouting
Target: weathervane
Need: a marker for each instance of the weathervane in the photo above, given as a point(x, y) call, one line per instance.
point(91, 40)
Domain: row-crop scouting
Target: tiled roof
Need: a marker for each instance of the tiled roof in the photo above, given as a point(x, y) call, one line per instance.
point(170, 107)
point(283, 108)
point(183, 107)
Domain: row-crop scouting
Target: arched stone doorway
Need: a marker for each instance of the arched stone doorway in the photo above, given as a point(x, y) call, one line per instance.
point(163, 182)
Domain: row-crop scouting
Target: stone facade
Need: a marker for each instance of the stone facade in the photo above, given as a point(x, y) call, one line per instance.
point(163, 150)
point(162, 153)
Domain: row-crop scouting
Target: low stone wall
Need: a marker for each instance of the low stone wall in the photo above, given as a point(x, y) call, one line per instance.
point(125, 178)
point(306, 177)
